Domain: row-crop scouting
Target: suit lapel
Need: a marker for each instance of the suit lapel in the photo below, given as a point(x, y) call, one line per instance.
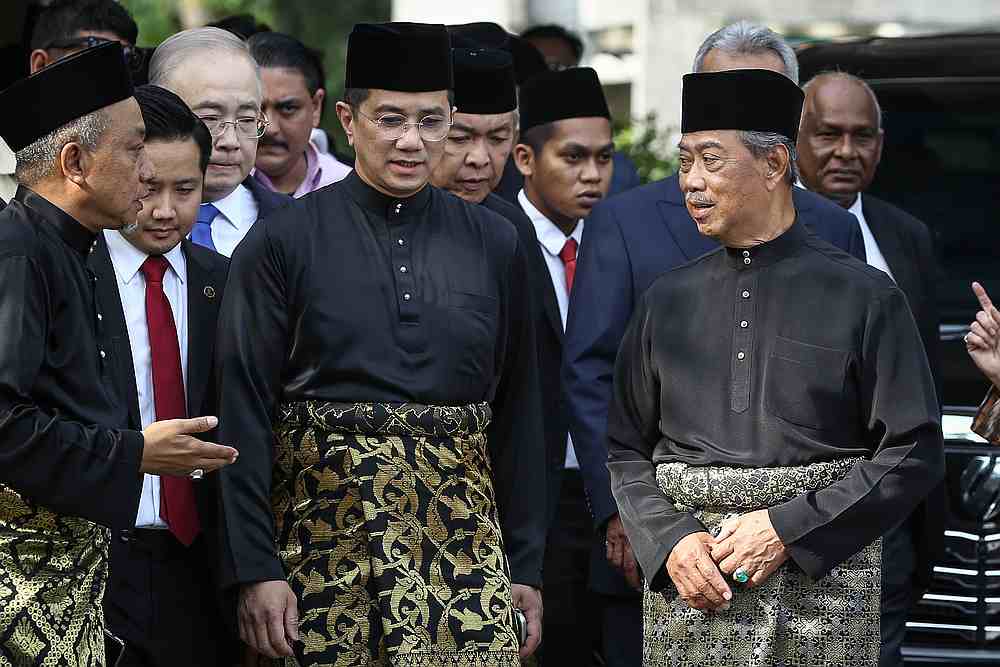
point(204, 295)
point(113, 315)
point(549, 302)
point(889, 242)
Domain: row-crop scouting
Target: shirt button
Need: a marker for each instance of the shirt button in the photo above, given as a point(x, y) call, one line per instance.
point(103, 355)
point(400, 241)
point(746, 260)
point(402, 269)
point(744, 324)
point(406, 296)
point(746, 253)
point(99, 317)
point(741, 356)
point(746, 294)
point(399, 207)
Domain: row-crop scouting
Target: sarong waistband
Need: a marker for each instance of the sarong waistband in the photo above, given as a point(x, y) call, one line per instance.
point(726, 488)
point(399, 419)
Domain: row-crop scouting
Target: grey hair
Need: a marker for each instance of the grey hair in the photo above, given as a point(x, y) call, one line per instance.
point(745, 38)
point(188, 43)
point(760, 144)
point(845, 76)
point(38, 159)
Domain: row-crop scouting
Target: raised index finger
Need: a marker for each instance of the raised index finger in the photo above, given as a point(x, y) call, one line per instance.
point(984, 298)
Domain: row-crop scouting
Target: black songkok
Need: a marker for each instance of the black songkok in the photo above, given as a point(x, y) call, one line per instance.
point(68, 89)
point(484, 81)
point(405, 57)
point(528, 60)
point(570, 93)
point(753, 100)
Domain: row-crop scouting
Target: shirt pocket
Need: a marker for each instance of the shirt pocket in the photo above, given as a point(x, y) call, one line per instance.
point(805, 385)
point(480, 303)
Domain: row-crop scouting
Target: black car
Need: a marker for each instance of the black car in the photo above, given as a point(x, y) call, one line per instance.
point(940, 98)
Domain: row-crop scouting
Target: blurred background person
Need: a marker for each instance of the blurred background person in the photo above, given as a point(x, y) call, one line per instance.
point(560, 47)
point(294, 94)
point(213, 72)
point(67, 26)
point(161, 296)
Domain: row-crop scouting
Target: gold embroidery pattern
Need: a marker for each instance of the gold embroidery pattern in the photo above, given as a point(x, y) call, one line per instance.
point(53, 569)
point(790, 619)
point(387, 526)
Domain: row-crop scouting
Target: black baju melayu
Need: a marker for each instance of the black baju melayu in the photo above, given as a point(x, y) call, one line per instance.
point(371, 340)
point(65, 465)
point(786, 376)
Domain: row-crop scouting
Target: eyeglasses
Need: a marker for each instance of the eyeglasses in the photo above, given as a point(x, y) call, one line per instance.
point(249, 127)
point(134, 57)
point(392, 126)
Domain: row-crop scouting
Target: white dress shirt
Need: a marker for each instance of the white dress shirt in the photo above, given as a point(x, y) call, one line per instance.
point(872, 252)
point(552, 240)
point(127, 260)
point(237, 213)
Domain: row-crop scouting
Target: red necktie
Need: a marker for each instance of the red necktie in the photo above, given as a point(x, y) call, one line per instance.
point(568, 257)
point(177, 507)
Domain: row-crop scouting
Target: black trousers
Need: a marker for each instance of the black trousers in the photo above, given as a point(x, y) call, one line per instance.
point(162, 601)
point(579, 623)
point(898, 565)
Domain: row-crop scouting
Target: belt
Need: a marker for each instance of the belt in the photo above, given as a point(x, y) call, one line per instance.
point(154, 540)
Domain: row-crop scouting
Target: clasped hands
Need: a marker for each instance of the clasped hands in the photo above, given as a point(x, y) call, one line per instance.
point(700, 565)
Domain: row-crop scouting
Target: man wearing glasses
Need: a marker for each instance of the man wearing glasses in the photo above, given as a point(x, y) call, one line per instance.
point(213, 72)
point(377, 374)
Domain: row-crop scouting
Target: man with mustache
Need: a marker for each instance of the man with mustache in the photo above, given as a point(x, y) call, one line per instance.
point(294, 93)
point(762, 445)
point(565, 155)
point(630, 240)
point(162, 296)
point(71, 465)
point(377, 368)
point(214, 73)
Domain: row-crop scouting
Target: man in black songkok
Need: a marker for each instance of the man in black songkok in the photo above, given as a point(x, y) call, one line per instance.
point(377, 370)
point(69, 466)
point(773, 412)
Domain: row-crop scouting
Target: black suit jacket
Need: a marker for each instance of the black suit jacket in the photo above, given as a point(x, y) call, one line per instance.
point(548, 344)
point(268, 201)
point(908, 248)
point(206, 281)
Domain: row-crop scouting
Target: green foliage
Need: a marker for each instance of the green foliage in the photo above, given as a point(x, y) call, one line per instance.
point(648, 146)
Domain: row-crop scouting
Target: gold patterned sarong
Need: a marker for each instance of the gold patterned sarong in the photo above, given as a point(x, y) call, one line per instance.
point(388, 530)
point(789, 620)
point(53, 569)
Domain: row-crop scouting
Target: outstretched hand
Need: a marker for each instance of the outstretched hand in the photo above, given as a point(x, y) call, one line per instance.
point(983, 340)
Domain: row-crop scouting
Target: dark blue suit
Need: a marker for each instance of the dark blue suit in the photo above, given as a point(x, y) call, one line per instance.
point(628, 241)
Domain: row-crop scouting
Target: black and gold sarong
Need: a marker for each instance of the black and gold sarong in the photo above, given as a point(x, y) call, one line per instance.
point(388, 530)
point(53, 569)
point(789, 620)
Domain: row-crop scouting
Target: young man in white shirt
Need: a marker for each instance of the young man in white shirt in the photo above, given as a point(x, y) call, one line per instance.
point(565, 154)
point(160, 295)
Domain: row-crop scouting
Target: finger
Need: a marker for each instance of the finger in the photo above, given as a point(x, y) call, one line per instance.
point(632, 569)
point(534, 635)
point(729, 564)
point(616, 554)
point(983, 334)
point(986, 322)
point(258, 638)
point(721, 551)
point(705, 588)
point(194, 424)
point(608, 550)
point(715, 580)
point(292, 618)
point(276, 634)
point(727, 529)
point(974, 342)
point(210, 450)
point(982, 296)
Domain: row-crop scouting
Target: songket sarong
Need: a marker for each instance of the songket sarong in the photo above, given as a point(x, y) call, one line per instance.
point(53, 570)
point(790, 620)
point(387, 527)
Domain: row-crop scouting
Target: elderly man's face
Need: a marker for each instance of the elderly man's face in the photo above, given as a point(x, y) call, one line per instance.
point(475, 154)
point(840, 141)
point(222, 87)
point(722, 182)
point(116, 172)
point(293, 113)
point(398, 167)
point(170, 208)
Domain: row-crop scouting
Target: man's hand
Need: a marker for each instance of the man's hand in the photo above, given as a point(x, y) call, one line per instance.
point(750, 542)
point(695, 575)
point(983, 342)
point(169, 450)
point(269, 618)
point(619, 552)
point(529, 600)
